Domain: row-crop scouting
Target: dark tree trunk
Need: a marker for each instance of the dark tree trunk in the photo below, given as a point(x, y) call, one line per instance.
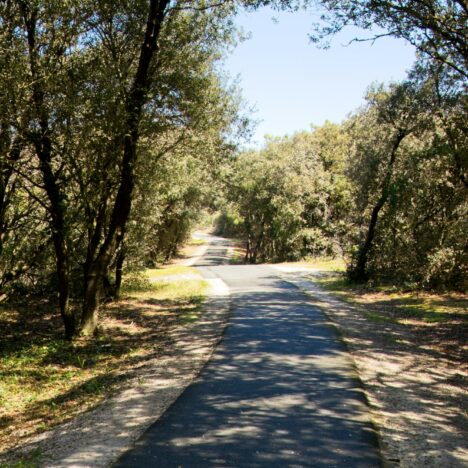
point(99, 265)
point(119, 273)
point(359, 272)
point(247, 250)
point(259, 243)
point(9, 156)
point(43, 146)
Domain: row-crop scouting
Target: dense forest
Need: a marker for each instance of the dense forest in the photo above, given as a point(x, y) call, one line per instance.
point(117, 126)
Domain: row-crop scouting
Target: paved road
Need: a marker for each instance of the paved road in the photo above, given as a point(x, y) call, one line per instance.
point(279, 391)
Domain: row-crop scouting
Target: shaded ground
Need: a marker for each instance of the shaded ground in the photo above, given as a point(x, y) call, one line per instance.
point(438, 322)
point(45, 380)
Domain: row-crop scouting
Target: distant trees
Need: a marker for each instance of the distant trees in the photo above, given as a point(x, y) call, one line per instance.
point(387, 188)
point(289, 199)
point(393, 195)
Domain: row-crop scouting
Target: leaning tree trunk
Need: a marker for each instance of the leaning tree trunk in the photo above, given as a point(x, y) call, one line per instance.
point(43, 146)
point(359, 272)
point(137, 97)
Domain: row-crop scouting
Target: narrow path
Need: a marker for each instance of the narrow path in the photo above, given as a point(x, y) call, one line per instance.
point(280, 391)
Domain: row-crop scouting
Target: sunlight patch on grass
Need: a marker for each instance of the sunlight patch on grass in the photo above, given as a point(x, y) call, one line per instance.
point(195, 242)
point(238, 256)
point(326, 264)
point(155, 273)
point(140, 287)
point(377, 317)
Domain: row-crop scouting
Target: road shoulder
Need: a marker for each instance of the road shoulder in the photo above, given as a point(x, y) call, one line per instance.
point(414, 404)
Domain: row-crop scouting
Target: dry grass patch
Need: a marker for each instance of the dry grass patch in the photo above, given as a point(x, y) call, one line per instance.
point(45, 380)
point(154, 274)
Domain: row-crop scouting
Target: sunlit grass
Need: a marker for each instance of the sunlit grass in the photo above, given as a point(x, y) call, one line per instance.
point(196, 242)
point(155, 273)
point(238, 256)
point(326, 264)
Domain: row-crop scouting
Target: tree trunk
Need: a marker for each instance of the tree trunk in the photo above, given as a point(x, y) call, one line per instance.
point(43, 146)
point(247, 249)
point(9, 153)
point(136, 99)
point(119, 273)
point(359, 272)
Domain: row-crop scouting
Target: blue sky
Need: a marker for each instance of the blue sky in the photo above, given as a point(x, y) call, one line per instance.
point(293, 84)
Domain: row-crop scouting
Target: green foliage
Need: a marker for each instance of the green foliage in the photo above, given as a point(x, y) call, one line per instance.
point(289, 199)
point(67, 71)
point(387, 189)
point(419, 234)
point(437, 28)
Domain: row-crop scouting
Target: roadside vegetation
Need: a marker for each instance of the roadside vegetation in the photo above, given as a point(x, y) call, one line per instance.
point(118, 128)
point(385, 190)
point(438, 321)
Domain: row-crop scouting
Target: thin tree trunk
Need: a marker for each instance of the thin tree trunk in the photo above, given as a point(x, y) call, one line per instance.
point(359, 272)
point(119, 273)
point(43, 147)
point(9, 157)
point(136, 99)
point(259, 243)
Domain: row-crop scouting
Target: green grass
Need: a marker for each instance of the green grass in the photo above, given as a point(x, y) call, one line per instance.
point(326, 264)
point(334, 282)
point(32, 460)
point(378, 317)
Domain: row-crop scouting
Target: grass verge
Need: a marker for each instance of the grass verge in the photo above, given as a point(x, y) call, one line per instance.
point(438, 320)
point(45, 380)
point(155, 274)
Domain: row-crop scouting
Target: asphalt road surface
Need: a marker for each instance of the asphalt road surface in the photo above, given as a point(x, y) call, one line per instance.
point(279, 391)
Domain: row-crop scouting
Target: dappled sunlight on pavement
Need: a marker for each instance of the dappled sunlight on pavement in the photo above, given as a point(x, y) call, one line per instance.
point(280, 391)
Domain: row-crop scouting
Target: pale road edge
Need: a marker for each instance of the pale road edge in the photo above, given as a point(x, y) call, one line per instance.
point(97, 438)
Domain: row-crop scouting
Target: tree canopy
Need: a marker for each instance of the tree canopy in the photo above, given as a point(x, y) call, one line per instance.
point(117, 127)
point(437, 28)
